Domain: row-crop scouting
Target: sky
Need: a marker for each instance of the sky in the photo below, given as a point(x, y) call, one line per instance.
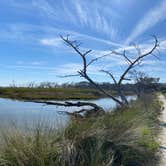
point(32, 51)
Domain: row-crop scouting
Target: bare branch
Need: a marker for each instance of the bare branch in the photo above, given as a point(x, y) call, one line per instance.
point(124, 55)
point(156, 56)
point(111, 75)
point(137, 48)
point(96, 59)
point(72, 44)
point(87, 52)
point(137, 60)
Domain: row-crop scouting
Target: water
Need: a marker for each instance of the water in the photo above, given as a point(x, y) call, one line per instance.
point(14, 112)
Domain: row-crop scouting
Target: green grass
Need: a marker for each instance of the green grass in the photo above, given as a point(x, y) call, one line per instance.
point(23, 93)
point(116, 138)
point(49, 93)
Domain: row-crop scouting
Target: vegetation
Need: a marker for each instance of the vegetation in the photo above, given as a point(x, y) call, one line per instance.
point(115, 138)
point(163, 88)
point(48, 93)
point(53, 91)
point(80, 90)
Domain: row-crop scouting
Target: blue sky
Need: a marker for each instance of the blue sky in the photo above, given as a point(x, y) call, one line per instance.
point(31, 50)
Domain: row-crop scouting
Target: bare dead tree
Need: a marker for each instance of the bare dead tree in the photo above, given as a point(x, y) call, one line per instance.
point(132, 63)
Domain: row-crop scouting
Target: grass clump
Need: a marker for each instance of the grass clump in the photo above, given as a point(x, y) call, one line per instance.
point(123, 137)
point(25, 149)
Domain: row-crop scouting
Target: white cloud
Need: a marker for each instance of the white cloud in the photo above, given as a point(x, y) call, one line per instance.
point(56, 42)
point(59, 70)
point(28, 67)
point(33, 63)
point(163, 45)
point(150, 19)
point(73, 68)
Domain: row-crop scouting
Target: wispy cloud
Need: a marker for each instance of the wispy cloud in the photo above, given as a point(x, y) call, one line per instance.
point(47, 9)
point(96, 18)
point(113, 60)
point(28, 67)
point(27, 33)
point(77, 36)
point(55, 42)
point(33, 63)
point(77, 13)
point(59, 70)
point(72, 68)
point(150, 19)
point(90, 16)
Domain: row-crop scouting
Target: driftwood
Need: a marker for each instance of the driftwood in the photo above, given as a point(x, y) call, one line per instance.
point(93, 109)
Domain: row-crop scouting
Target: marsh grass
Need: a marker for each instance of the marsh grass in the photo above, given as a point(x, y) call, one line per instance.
point(117, 138)
point(48, 93)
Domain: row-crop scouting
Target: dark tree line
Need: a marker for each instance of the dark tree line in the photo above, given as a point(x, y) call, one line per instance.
point(140, 80)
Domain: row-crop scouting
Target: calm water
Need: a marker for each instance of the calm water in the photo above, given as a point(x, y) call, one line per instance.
point(14, 112)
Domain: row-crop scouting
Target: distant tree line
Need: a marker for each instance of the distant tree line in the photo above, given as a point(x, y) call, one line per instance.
point(142, 84)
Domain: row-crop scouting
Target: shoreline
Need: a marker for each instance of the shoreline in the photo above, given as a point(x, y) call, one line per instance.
point(59, 94)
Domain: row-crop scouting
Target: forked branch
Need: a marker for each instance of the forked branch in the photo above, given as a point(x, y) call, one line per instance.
point(83, 72)
point(140, 57)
